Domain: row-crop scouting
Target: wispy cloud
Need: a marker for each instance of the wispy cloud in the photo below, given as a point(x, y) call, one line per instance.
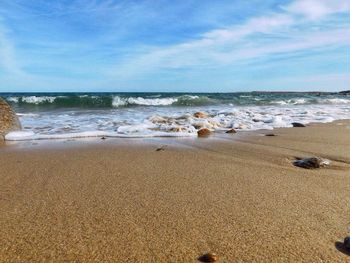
point(279, 33)
point(316, 9)
point(8, 61)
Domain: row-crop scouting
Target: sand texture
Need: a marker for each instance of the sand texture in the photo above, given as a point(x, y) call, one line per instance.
point(236, 195)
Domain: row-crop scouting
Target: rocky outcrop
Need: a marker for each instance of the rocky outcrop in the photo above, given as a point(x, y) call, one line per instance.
point(8, 119)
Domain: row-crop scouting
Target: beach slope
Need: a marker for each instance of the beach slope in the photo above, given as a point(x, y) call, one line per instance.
point(236, 195)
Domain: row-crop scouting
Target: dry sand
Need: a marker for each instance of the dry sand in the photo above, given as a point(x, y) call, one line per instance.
point(236, 195)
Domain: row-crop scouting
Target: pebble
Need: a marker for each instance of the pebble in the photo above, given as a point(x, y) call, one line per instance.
point(298, 124)
point(162, 148)
point(208, 257)
point(270, 134)
point(203, 132)
point(312, 162)
point(200, 114)
point(231, 131)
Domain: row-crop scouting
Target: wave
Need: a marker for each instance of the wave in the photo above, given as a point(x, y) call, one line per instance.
point(188, 100)
point(119, 101)
point(108, 101)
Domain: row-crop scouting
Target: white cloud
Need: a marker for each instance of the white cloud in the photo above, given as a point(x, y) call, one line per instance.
point(315, 9)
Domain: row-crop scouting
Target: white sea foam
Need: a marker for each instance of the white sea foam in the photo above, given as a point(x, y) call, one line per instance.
point(335, 101)
point(152, 102)
point(170, 121)
point(38, 99)
point(13, 99)
point(119, 101)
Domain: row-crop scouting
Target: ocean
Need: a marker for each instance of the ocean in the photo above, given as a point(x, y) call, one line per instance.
point(79, 115)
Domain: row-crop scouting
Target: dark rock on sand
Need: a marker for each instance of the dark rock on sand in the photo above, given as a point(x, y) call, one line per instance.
point(298, 124)
point(311, 162)
point(270, 134)
point(231, 131)
point(8, 119)
point(346, 243)
point(161, 148)
point(203, 132)
point(200, 114)
point(208, 257)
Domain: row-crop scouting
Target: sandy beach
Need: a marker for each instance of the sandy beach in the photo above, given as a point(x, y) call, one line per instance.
point(237, 195)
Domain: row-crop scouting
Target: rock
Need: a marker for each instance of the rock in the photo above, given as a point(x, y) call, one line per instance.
point(103, 138)
point(200, 114)
point(312, 162)
point(298, 124)
point(346, 243)
point(8, 119)
point(208, 257)
point(231, 131)
point(203, 132)
point(270, 134)
point(161, 148)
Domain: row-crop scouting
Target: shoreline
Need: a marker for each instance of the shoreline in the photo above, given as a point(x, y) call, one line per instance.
point(97, 141)
point(236, 195)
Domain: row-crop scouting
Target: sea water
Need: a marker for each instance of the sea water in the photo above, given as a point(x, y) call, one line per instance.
point(78, 115)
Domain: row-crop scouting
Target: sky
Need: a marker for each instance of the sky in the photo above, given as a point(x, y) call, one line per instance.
point(174, 46)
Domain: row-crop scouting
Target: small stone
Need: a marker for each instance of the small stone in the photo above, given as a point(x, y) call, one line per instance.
point(208, 257)
point(203, 132)
point(200, 114)
point(162, 148)
point(346, 243)
point(298, 124)
point(231, 131)
point(103, 138)
point(312, 162)
point(270, 134)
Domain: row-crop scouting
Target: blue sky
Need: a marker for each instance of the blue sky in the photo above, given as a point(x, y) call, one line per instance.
point(158, 45)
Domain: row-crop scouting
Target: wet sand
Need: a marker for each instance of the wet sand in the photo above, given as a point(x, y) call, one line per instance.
point(237, 195)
